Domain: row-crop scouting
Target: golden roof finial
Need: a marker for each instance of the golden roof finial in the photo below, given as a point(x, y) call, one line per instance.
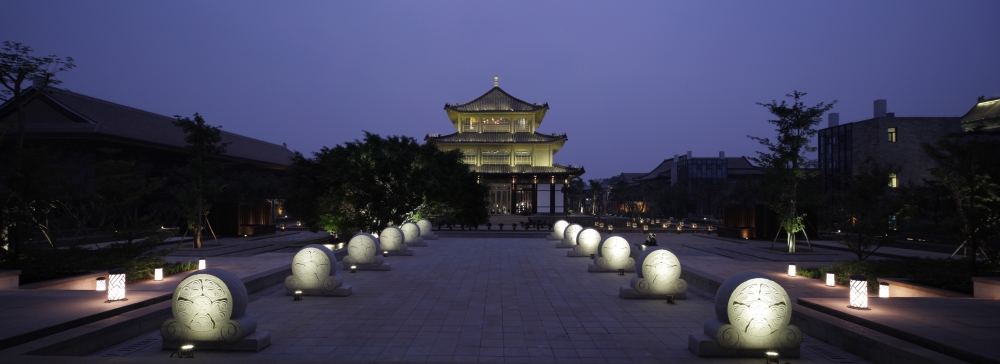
point(496, 81)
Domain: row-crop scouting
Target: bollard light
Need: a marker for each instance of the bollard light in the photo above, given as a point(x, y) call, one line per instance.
point(830, 282)
point(185, 352)
point(385, 253)
point(621, 272)
point(611, 227)
point(102, 284)
point(859, 292)
point(354, 269)
point(297, 296)
point(158, 274)
point(773, 357)
point(201, 264)
point(791, 270)
point(670, 299)
point(116, 285)
point(883, 290)
point(645, 228)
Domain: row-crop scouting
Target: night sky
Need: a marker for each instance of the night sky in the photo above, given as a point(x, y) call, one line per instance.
point(630, 83)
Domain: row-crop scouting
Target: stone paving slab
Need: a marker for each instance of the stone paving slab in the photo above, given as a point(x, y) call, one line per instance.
point(478, 300)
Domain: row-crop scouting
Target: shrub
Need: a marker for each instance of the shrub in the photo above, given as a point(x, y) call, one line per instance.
point(949, 274)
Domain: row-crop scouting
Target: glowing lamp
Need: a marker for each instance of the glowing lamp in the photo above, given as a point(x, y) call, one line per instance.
point(158, 274)
point(657, 221)
point(354, 269)
point(611, 227)
point(186, 351)
point(666, 225)
point(883, 290)
point(773, 357)
point(680, 224)
point(710, 228)
point(385, 253)
point(643, 247)
point(298, 223)
point(592, 256)
point(329, 246)
point(694, 226)
point(282, 227)
point(859, 292)
point(645, 228)
point(670, 299)
point(297, 296)
point(116, 285)
point(102, 284)
point(621, 272)
point(791, 270)
point(679, 227)
point(829, 280)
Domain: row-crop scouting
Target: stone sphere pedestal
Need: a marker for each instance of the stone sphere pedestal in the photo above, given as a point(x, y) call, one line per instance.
point(209, 311)
point(658, 276)
point(613, 253)
point(315, 272)
point(752, 316)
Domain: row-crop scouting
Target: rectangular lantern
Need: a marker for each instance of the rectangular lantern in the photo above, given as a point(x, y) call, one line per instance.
point(859, 292)
point(102, 284)
point(158, 274)
point(611, 227)
point(116, 285)
point(645, 228)
point(883, 290)
point(830, 282)
point(665, 225)
point(791, 270)
point(201, 264)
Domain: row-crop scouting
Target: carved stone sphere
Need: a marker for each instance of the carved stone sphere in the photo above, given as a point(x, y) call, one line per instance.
point(411, 232)
point(614, 253)
point(559, 228)
point(569, 236)
point(363, 248)
point(425, 227)
point(391, 238)
point(587, 241)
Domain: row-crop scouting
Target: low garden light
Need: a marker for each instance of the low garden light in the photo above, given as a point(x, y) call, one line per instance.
point(298, 223)
point(158, 274)
point(185, 352)
point(385, 253)
point(592, 256)
point(201, 264)
point(694, 226)
point(772, 357)
point(830, 282)
point(670, 299)
point(791, 270)
point(645, 228)
point(621, 272)
point(297, 296)
point(666, 225)
point(611, 227)
point(354, 269)
point(643, 247)
point(883, 290)
point(102, 284)
point(859, 292)
point(116, 285)
point(329, 246)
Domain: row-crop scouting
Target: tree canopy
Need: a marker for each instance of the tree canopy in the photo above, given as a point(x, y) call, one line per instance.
point(785, 162)
point(371, 184)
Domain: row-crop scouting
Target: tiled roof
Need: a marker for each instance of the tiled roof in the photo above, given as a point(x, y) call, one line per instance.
point(496, 99)
point(986, 109)
point(632, 177)
point(129, 123)
point(522, 137)
point(503, 169)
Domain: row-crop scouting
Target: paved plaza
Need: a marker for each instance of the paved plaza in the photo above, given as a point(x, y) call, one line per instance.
point(504, 297)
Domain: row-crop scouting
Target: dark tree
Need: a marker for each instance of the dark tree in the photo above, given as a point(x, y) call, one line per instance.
point(368, 185)
point(18, 65)
point(869, 210)
point(967, 169)
point(204, 146)
point(785, 162)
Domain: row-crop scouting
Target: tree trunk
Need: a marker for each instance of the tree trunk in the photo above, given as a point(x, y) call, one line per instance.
point(197, 227)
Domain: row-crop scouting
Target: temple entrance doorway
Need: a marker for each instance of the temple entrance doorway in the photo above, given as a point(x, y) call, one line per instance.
point(499, 199)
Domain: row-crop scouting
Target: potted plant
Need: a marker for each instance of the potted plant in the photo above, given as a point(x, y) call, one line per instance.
point(501, 226)
point(513, 226)
point(451, 226)
point(524, 225)
point(489, 226)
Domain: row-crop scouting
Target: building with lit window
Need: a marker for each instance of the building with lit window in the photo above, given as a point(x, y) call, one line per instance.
point(497, 135)
point(885, 137)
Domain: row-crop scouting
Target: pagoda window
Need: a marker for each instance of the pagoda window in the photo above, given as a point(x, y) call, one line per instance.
point(522, 157)
point(469, 156)
point(496, 125)
point(496, 157)
point(522, 125)
point(470, 125)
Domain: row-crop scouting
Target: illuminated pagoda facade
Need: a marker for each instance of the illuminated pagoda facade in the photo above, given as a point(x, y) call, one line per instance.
point(497, 136)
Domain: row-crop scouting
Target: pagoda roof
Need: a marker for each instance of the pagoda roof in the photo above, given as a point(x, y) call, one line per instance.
point(494, 100)
point(505, 138)
point(984, 109)
point(507, 169)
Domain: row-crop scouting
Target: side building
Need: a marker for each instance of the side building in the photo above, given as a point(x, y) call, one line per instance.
point(80, 126)
point(886, 138)
point(497, 135)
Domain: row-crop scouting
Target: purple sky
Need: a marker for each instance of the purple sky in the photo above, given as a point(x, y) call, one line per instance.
point(631, 84)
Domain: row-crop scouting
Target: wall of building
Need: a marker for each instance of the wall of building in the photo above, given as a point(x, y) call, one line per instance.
point(871, 138)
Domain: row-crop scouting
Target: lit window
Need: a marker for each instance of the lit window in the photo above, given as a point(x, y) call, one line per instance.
point(892, 135)
point(470, 124)
point(496, 157)
point(522, 125)
point(469, 156)
point(496, 125)
point(893, 181)
point(522, 157)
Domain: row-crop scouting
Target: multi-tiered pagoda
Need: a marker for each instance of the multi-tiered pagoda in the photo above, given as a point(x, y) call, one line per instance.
point(498, 139)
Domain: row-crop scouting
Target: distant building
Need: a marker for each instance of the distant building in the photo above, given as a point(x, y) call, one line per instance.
point(885, 137)
point(984, 116)
point(82, 125)
point(696, 171)
point(497, 135)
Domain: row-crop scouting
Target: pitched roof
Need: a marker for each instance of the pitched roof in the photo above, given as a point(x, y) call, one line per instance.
point(521, 137)
point(504, 169)
point(984, 109)
point(632, 177)
point(496, 99)
point(119, 121)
